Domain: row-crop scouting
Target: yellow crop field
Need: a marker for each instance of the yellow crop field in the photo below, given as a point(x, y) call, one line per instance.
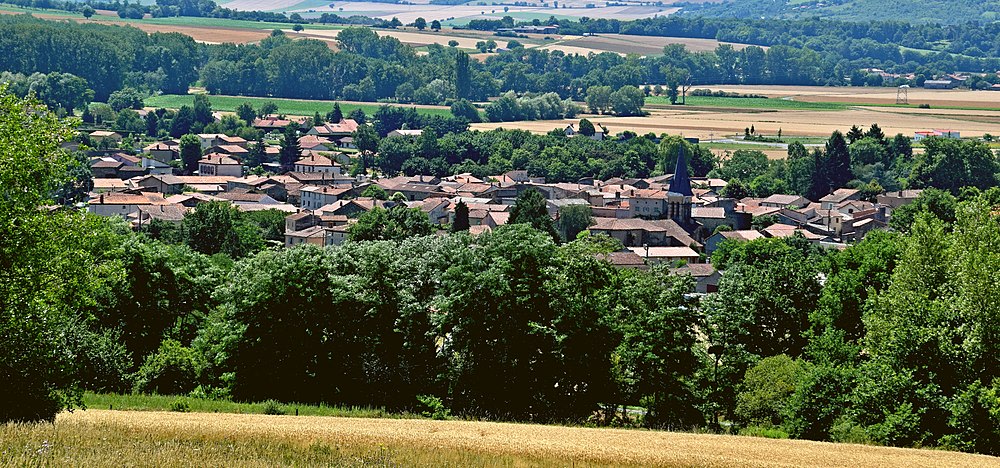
point(122, 438)
point(715, 123)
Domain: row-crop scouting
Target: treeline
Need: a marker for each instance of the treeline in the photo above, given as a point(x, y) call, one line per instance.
point(822, 35)
point(108, 57)
point(554, 156)
point(866, 160)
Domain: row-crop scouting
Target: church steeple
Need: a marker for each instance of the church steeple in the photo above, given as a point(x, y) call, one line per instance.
point(681, 183)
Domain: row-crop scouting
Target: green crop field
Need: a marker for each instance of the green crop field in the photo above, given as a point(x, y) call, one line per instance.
point(285, 106)
point(751, 103)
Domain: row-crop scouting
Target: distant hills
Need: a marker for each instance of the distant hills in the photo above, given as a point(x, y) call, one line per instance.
point(911, 11)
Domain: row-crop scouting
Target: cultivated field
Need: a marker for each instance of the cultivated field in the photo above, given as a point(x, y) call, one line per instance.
point(454, 13)
point(117, 438)
point(642, 45)
point(285, 106)
point(865, 95)
point(800, 111)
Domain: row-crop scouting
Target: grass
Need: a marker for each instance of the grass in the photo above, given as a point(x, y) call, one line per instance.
point(285, 106)
point(751, 103)
point(138, 402)
point(117, 438)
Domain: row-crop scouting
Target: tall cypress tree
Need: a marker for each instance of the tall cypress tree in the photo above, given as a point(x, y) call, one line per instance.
point(838, 161)
point(463, 78)
point(290, 150)
point(461, 222)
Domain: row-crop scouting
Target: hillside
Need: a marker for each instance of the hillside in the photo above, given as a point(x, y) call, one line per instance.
point(913, 11)
point(96, 437)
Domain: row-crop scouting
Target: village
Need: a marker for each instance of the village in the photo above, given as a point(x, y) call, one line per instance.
point(672, 219)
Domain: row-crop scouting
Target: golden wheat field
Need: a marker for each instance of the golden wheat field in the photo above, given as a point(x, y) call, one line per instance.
point(122, 438)
point(707, 123)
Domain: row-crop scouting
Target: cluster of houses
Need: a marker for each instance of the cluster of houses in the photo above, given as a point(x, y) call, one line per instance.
point(671, 219)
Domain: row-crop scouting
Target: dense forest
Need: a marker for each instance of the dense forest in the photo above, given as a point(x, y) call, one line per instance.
point(891, 341)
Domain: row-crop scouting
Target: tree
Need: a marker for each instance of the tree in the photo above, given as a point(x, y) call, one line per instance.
point(396, 223)
point(374, 191)
point(182, 122)
point(257, 154)
point(838, 162)
point(203, 110)
point(599, 99)
point(420, 23)
point(435, 25)
point(367, 142)
point(87, 11)
point(464, 109)
point(152, 124)
point(298, 27)
point(461, 222)
point(766, 390)
point(655, 357)
point(951, 164)
point(573, 220)
point(267, 108)
point(172, 370)
point(336, 115)
point(190, 148)
point(66, 91)
point(875, 133)
point(290, 150)
point(219, 227)
point(530, 208)
point(246, 113)
point(125, 98)
point(855, 134)
point(452, 43)
point(587, 128)
point(463, 76)
point(627, 101)
point(50, 269)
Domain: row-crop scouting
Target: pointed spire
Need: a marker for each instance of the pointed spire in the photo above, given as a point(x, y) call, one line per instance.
point(681, 182)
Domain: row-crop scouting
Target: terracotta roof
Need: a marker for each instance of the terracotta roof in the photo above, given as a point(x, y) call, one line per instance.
point(218, 159)
point(747, 235)
point(697, 270)
point(705, 212)
point(315, 160)
point(839, 195)
point(664, 252)
point(622, 259)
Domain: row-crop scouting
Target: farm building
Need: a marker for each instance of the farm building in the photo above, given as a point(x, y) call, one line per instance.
point(917, 136)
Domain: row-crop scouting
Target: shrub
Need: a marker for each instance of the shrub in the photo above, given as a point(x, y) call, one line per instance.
point(766, 432)
point(180, 405)
point(765, 391)
point(171, 370)
point(432, 407)
point(273, 407)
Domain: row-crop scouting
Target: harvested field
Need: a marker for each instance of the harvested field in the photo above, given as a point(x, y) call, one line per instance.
point(410, 38)
point(866, 95)
point(642, 45)
point(116, 438)
point(706, 123)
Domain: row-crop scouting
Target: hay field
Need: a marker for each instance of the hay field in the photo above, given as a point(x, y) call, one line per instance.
point(119, 438)
point(642, 45)
point(708, 123)
point(421, 8)
point(874, 95)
